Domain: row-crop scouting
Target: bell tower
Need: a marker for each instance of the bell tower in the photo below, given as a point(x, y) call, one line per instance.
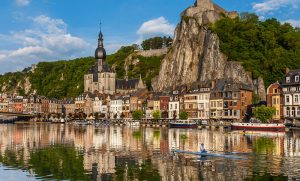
point(100, 53)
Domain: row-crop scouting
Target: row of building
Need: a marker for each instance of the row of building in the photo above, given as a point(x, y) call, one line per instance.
point(285, 97)
point(220, 99)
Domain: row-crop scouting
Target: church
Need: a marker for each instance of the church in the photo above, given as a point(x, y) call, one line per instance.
point(101, 78)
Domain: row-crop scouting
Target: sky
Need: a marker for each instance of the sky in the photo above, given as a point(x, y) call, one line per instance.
point(47, 30)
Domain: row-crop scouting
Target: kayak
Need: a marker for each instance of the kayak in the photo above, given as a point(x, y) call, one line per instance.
point(209, 154)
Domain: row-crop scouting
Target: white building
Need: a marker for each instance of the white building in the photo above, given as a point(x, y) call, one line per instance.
point(174, 106)
point(203, 103)
point(116, 108)
point(97, 103)
point(291, 95)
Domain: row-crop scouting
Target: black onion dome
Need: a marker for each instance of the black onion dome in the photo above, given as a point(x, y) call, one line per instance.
point(100, 53)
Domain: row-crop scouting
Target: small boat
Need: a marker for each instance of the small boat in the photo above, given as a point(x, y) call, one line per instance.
point(204, 154)
point(133, 123)
point(183, 124)
point(258, 127)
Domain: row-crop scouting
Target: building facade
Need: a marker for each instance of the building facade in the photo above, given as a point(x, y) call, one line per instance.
point(291, 95)
point(275, 100)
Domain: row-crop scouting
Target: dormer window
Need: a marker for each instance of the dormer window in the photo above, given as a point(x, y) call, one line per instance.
point(297, 78)
point(288, 79)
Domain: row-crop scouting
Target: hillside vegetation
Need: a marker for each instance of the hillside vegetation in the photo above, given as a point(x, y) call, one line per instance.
point(64, 79)
point(266, 48)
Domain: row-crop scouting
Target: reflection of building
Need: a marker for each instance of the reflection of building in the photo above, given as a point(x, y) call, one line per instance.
point(105, 148)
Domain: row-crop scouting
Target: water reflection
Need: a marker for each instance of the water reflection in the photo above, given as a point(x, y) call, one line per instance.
point(68, 152)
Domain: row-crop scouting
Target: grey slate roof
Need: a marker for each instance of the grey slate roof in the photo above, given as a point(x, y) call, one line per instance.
point(123, 84)
point(292, 74)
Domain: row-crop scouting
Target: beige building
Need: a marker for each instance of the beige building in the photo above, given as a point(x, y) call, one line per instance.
point(101, 77)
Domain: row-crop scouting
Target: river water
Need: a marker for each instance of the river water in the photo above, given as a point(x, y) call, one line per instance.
point(70, 152)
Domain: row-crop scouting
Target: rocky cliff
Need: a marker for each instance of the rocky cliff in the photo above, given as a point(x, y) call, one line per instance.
point(195, 54)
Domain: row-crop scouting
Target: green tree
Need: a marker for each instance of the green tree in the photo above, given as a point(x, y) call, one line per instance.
point(264, 113)
point(265, 48)
point(156, 115)
point(183, 115)
point(137, 114)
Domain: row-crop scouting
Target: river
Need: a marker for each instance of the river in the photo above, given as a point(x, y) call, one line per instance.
point(70, 152)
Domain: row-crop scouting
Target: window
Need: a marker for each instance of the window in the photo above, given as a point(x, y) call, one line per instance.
point(287, 99)
point(296, 98)
point(293, 112)
point(235, 103)
point(298, 111)
point(275, 91)
point(220, 104)
point(274, 101)
point(235, 113)
point(226, 112)
point(297, 78)
point(288, 79)
point(298, 88)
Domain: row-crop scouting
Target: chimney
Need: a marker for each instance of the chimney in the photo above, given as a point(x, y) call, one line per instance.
point(213, 84)
point(287, 70)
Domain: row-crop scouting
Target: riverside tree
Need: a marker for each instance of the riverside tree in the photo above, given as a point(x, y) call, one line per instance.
point(137, 114)
point(183, 115)
point(264, 113)
point(156, 115)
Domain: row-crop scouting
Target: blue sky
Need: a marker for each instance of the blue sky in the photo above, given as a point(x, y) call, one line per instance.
point(47, 30)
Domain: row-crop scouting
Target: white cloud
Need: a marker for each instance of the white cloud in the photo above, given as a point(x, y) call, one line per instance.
point(293, 22)
point(47, 40)
point(22, 2)
point(269, 6)
point(159, 26)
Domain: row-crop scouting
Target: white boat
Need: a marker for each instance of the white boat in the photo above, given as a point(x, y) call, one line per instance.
point(258, 127)
point(132, 123)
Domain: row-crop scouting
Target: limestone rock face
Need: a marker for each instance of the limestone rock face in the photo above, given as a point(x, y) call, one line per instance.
point(195, 54)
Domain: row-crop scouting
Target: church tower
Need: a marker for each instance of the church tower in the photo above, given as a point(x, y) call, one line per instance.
point(100, 53)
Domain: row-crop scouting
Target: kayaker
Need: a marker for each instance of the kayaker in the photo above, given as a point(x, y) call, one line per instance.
point(202, 148)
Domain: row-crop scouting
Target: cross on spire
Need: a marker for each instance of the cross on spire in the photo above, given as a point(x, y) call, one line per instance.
point(100, 25)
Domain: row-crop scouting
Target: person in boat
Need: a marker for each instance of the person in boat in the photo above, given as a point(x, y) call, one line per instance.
point(202, 148)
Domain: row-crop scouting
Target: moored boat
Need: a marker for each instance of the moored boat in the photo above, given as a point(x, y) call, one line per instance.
point(258, 127)
point(183, 124)
point(132, 123)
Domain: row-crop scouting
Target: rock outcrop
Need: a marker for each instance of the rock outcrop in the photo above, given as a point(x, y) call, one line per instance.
point(195, 54)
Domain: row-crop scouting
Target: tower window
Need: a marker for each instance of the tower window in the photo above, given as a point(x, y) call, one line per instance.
point(297, 78)
point(288, 79)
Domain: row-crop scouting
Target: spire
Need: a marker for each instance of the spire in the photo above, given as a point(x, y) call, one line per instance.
point(100, 37)
point(141, 83)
